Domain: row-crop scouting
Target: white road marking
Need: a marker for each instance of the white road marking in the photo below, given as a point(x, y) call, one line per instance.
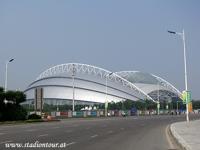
point(68, 131)
point(5, 142)
point(25, 127)
point(42, 135)
point(55, 127)
point(110, 131)
point(2, 133)
point(31, 130)
point(93, 136)
point(70, 143)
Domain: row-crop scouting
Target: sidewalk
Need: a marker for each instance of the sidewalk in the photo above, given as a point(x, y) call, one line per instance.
point(187, 134)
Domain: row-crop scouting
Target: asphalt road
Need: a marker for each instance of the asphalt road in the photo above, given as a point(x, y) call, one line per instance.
point(118, 133)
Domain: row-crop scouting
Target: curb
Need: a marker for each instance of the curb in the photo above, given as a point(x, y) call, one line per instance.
point(178, 139)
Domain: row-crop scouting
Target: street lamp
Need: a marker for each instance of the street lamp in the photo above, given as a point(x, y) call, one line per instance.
point(177, 107)
point(182, 34)
point(6, 76)
point(106, 102)
point(73, 75)
point(6, 79)
point(57, 108)
point(158, 99)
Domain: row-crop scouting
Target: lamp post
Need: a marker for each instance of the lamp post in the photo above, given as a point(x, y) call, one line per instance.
point(57, 108)
point(158, 101)
point(182, 34)
point(106, 102)
point(6, 75)
point(73, 75)
point(6, 78)
point(177, 107)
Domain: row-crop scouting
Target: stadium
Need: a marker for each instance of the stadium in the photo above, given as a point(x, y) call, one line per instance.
point(88, 84)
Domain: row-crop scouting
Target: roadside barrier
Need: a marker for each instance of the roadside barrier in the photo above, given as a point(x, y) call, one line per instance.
point(101, 113)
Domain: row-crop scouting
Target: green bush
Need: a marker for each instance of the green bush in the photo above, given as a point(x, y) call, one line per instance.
point(13, 112)
point(21, 114)
point(34, 116)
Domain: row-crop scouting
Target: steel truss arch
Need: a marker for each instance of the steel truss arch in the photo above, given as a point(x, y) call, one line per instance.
point(161, 81)
point(91, 70)
point(167, 85)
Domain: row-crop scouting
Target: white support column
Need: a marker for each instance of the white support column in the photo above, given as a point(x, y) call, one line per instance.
point(73, 93)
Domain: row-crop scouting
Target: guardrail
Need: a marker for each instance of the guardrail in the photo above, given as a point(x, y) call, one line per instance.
point(101, 113)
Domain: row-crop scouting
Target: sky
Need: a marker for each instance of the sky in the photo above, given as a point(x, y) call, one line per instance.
point(116, 35)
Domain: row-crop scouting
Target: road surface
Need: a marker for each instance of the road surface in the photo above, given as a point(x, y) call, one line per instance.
point(117, 133)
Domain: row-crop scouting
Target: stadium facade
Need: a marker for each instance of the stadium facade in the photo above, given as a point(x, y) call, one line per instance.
point(91, 84)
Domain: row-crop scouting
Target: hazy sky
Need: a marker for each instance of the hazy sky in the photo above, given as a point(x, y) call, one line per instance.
point(115, 35)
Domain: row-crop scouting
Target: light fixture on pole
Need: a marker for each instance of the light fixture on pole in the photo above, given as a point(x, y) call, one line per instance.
point(6, 78)
point(6, 74)
point(182, 34)
point(106, 102)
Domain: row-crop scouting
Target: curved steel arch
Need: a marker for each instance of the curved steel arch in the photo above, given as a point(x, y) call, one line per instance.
point(89, 69)
point(160, 80)
point(167, 85)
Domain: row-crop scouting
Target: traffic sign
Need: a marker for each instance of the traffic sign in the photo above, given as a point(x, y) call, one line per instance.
point(186, 97)
point(190, 107)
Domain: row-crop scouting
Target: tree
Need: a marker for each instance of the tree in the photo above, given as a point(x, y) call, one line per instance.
point(128, 104)
point(150, 105)
point(12, 110)
point(1, 90)
point(15, 96)
point(196, 104)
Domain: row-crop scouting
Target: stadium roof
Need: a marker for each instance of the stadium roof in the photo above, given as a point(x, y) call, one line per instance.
point(143, 83)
